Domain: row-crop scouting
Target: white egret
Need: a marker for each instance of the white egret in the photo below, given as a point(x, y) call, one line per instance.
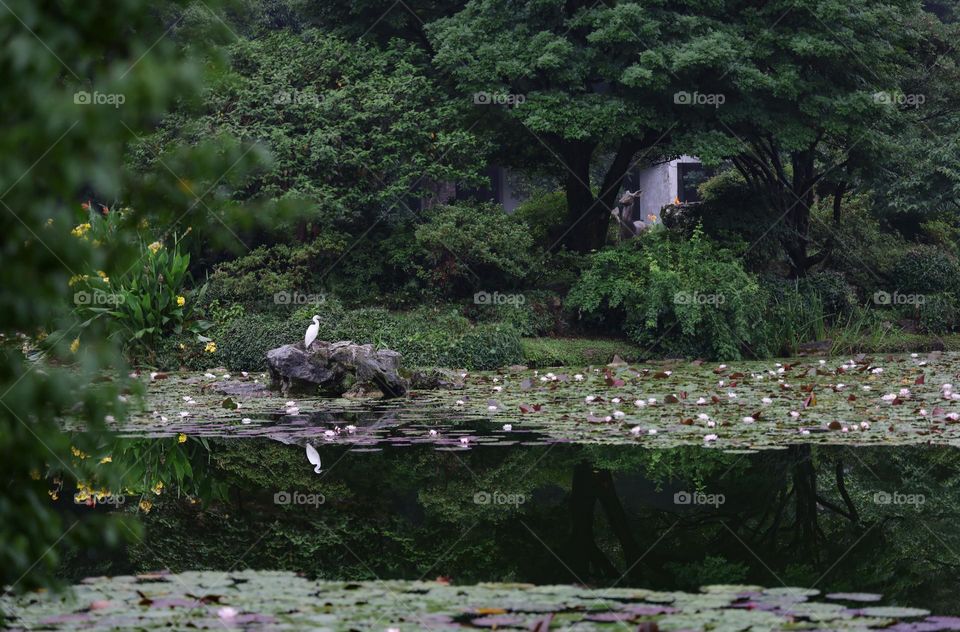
point(314, 457)
point(312, 332)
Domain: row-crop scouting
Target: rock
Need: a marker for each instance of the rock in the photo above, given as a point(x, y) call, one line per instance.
point(430, 379)
point(237, 388)
point(333, 368)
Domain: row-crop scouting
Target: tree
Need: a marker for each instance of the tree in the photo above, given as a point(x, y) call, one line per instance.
point(580, 82)
point(811, 103)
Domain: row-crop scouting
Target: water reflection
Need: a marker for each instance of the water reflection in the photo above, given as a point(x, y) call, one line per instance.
point(838, 519)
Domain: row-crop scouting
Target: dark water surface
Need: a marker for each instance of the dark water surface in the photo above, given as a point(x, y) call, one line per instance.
point(835, 518)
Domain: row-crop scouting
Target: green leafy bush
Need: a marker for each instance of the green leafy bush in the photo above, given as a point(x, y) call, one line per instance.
point(423, 337)
point(545, 217)
point(469, 247)
point(831, 288)
point(938, 314)
point(926, 270)
point(540, 313)
point(683, 296)
point(147, 304)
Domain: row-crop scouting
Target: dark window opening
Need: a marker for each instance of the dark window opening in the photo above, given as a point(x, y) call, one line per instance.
point(689, 177)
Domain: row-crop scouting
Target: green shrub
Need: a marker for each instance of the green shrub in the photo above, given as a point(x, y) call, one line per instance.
point(423, 337)
point(469, 247)
point(540, 313)
point(792, 316)
point(938, 313)
point(545, 216)
point(926, 270)
point(831, 288)
point(549, 352)
point(683, 296)
point(242, 344)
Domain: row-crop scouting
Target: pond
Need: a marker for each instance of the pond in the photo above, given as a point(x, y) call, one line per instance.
point(531, 478)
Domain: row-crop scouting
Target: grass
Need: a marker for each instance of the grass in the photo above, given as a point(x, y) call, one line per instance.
point(545, 352)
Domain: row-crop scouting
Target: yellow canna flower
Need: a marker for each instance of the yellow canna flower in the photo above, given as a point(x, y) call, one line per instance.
point(158, 488)
point(211, 347)
point(77, 452)
point(155, 246)
point(181, 438)
point(80, 231)
point(106, 459)
point(181, 301)
point(75, 345)
point(145, 506)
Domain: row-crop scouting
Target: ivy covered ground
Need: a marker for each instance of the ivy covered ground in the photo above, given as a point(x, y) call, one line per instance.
point(278, 600)
point(863, 400)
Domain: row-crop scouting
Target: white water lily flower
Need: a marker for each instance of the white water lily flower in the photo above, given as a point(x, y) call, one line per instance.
point(616, 400)
point(635, 430)
point(701, 401)
point(823, 361)
point(732, 395)
point(496, 379)
point(351, 428)
point(877, 370)
point(953, 416)
point(153, 375)
point(209, 375)
point(794, 414)
point(244, 374)
point(711, 424)
point(226, 612)
point(589, 398)
point(507, 427)
point(804, 432)
point(748, 419)
point(866, 388)
point(766, 400)
point(183, 414)
point(904, 392)
point(889, 397)
point(109, 419)
point(710, 437)
point(498, 388)
point(491, 408)
point(668, 373)
point(652, 431)
point(703, 416)
point(329, 434)
point(619, 414)
point(913, 355)
point(639, 403)
point(464, 440)
point(840, 387)
point(433, 433)
point(720, 383)
point(163, 419)
point(578, 377)
point(651, 400)
point(923, 412)
point(722, 366)
point(246, 420)
point(864, 425)
point(459, 402)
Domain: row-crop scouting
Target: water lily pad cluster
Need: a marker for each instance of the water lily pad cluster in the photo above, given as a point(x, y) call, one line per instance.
point(280, 600)
point(863, 400)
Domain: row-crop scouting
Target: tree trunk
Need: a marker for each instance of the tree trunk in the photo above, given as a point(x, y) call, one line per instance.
point(586, 226)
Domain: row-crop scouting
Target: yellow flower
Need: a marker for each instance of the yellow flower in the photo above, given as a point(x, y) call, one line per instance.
point(35, 474)
point(158, 488)
point(181, 438)
point(75, 345)
point(77, 278)
point(155, 246)
point(54, 495)
point(211, 347)
point(106, 459)
point(103, 275)
point(77, 452)
point(181, 301)
point(145, 506)
point(80, 230)
point(49, 221)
